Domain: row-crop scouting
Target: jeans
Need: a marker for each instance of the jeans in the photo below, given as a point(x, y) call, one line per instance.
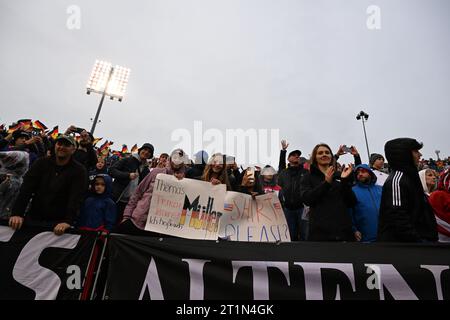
point(298, 228)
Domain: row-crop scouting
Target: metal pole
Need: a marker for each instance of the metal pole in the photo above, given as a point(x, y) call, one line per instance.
point(98, 112)
point(101, 103)
point(365, 136)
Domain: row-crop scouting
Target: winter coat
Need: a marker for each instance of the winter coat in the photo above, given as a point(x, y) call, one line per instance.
point(87, 158)
point(57, 191)
point(329, 219)
point(121, 170)
point(440, 201)
point(366, 210)
point(289, 179)
point(139, 203)
point(405, 214)
point(98, 211)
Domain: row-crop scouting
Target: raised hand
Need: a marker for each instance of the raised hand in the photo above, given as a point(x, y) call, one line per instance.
point(284, 144)
point(348, 170)
point(329, 174)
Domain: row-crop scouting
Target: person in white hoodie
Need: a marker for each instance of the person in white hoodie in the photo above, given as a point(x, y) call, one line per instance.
point(428, 179)
point(376, 163)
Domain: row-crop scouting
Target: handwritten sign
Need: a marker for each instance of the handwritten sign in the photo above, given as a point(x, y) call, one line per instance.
point(259, 220)
point(186, 208)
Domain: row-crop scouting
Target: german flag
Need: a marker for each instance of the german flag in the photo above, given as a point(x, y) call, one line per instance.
point(54, 133)
point(103, 146)
point(117, 153)
point(134, 149)
point(96, 140)
point(124, 149)
point(39, 125)
point(104, 152)
point(26, 123)
point(14, 127)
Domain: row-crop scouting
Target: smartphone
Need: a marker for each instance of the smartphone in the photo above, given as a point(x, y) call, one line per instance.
point(78, 130)
point(346, 149)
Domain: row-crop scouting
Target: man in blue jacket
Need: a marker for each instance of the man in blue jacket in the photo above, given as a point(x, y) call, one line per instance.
point(365, 212)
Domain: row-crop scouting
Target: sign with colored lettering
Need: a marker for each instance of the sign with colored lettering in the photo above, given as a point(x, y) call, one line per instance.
point(186, 208)
point(253, 220)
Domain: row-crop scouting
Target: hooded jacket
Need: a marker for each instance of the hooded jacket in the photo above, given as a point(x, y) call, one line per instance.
point(98, 211)
point(366, 210)
point(423, 181)
point(329, 219)
point(440, 201)
point(405, 214)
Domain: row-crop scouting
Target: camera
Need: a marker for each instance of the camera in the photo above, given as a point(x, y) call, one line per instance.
point(78, 130)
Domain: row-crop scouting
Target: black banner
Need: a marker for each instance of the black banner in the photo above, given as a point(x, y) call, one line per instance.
point(150, 268)
point(37, 264)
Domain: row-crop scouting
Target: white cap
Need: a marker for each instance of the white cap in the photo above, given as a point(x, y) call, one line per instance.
point(178, 156)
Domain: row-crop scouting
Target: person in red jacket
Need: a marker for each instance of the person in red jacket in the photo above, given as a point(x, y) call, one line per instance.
point(440, 202)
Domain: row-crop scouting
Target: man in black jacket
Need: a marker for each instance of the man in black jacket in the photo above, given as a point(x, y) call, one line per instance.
point(289, 181)
point(405, 215)
point(85, 153)
point(127, 174)
point(56, 185)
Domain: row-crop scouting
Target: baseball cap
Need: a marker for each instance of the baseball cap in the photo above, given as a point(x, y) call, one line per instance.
point(294, 153)
point(67, 138)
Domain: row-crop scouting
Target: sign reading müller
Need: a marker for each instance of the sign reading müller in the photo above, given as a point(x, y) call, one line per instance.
point(253, 220)
point(186, 208)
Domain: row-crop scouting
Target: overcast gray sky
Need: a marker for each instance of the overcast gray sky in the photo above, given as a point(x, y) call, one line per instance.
point(303, 67)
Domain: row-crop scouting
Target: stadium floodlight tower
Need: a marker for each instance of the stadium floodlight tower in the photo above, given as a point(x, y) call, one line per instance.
point(363, 117)
point(108, 81)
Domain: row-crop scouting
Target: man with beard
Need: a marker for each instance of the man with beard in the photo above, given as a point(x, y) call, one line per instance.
point(85, 153)
point(365, 211)
point(56, 186)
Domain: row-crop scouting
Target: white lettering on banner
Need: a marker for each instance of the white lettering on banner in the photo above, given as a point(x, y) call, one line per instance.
point(6, 233)
point(313, 277)
point(254, 220)
point(260, 275)
point(152, 284)
point(392, 280)
point(436, 271)
point(386, 274)
point(27, 271)
point(196, 275)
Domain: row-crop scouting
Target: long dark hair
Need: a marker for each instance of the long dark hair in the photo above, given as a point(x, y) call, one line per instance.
point(313, 159)
point(222, 176)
